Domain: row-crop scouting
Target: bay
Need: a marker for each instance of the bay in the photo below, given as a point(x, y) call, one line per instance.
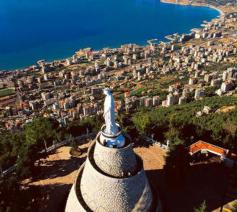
point(53, 29)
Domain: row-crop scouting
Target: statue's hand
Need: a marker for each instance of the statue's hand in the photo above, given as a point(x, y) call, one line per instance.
point(105, 113)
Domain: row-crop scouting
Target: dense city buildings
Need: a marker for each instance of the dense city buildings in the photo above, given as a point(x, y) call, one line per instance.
point(70, 89)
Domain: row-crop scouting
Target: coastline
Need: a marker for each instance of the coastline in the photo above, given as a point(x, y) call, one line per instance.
point(183, 3)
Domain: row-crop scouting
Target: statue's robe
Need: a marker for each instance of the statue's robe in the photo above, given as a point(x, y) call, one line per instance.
point(109, 115)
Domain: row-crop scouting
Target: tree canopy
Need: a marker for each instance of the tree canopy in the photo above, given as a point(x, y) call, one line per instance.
point(217, 127)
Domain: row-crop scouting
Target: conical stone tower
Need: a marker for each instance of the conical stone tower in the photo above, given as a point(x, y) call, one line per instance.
point(112, 179)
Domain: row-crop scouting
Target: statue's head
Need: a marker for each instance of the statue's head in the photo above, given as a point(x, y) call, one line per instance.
point(107, 91)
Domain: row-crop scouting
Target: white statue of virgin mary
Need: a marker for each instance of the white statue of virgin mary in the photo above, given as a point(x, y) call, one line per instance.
point(109, 113)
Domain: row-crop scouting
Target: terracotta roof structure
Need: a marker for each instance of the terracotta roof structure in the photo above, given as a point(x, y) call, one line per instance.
point(204, 146)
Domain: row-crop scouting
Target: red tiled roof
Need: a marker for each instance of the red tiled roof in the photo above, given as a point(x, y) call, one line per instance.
point(202, 145)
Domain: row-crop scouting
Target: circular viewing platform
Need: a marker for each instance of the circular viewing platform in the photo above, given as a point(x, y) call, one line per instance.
point(111, 179)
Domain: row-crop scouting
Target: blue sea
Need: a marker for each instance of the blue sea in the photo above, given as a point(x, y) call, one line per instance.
point(53, 29)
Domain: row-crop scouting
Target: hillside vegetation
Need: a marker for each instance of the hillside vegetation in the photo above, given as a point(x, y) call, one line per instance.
point(180, 122)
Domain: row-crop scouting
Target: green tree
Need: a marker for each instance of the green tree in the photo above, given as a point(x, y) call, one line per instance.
point(38, 134)
point(177, 164)
point(142, 121)
point(93, 124)
point(9, 188)
point(201, 208)
point(10, 144)
point(173, 136)
point(235, 206)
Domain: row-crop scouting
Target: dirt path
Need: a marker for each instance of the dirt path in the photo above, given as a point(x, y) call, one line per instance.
point(153, 157)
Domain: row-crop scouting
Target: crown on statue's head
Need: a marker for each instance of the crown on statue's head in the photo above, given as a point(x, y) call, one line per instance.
point(107, 91)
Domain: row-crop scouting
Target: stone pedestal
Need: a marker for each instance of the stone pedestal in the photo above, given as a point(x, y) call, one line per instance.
point(111, 180)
